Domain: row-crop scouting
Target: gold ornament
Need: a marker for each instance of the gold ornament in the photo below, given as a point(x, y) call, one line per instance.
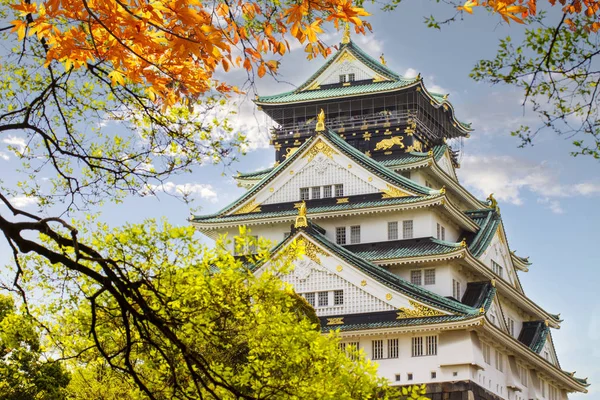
point(319, 147)
point(335, 321)
point(392, 192)
point(417, 311)
point(301, 221)
point(346, 37)
point(339, 268)
point(386, 144)
point(388, 296)
point(320, 121)
point(382, 59)
point(251, 206)
point(343, 200)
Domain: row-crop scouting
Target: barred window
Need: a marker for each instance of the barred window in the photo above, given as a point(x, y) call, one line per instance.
point(352, 348)
point(351, 77)
point(393, 230)
point(392, 348)
point(342, 346)
point(415, 277)
point(323, 299)
point(340, 235)
point(405, 174)
point(310, 298)
point(443, 232)
point(316, 192)
point(304, 194)
point(377, 347)
point(355, 234)
point(339, 190)
point(431, 345)
point(417, 346)
point(326, 191)
point(499, 361)
point(497, 268)
point(338, 297)
point(429, 277)
point(343, 78)
point(407, 229)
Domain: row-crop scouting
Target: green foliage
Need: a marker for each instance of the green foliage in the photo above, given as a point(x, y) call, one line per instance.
point(555, 69)
point(25, 374)
point(193, 322)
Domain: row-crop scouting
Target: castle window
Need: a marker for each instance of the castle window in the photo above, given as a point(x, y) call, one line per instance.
point(340, 235)
point(511, 326)
point(338, 297)
point(497, 268)
point(499, 361)
point(351, 77)
point(433, 374)
point(323, 299)
point(456, 289)
point(339, 190)
point(409, 376)
point(523, 375)
point(415, 277)
point(377, 349)
point(393, 230)
point(304, 195)
point(441, 232)
point(327, 191)
point(485, 349)
point(424, 346)
point(355, 234)
point(310, 298)
point(316, 192)
point(343, 78)
point(405, 174)
point(397, 377)
point(429, 276)
point(392, 348)
point(407, 229)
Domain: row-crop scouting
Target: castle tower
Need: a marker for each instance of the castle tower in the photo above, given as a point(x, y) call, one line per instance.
point(403, 260)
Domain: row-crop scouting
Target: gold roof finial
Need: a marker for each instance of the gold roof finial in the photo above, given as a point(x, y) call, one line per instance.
point(320, 121)
point(382, 59)
point(301, 221)
point(346, 37)
point(463, 243)
point(492, 202)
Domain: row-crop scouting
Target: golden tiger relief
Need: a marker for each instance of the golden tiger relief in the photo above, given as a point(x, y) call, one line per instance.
point(386, 144)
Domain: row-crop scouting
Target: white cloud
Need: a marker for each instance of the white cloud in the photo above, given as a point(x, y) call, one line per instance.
point(23, 201)
point(17, 142)
point(411, 73)
point(204, 191)
point(510, 178)
point(4, 156)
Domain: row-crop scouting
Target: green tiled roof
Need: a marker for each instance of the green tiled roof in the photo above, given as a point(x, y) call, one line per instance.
point(488, 220)
point(398, 323)
point(313, 209)
point(402, 248)
point(345, 148)
point(360, 55)
point(255, 174)
point(353, 90)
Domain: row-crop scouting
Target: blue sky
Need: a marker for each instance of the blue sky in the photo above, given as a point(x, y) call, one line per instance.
point(548, 199)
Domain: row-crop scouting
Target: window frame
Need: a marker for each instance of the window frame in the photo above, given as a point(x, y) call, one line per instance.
point(354, 234)
point(339, 237)
point(304, 195)
point(408, 229)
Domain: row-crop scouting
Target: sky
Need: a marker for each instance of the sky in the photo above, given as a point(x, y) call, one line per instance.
point(548, 199)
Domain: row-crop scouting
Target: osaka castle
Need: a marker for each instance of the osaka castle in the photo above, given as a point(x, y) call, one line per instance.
point(409, 266)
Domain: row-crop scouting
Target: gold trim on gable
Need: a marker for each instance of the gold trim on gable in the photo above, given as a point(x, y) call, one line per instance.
point(319, 147)
point(252, 206)
point(417, 311)
point(392, 192)
point(335, 321)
